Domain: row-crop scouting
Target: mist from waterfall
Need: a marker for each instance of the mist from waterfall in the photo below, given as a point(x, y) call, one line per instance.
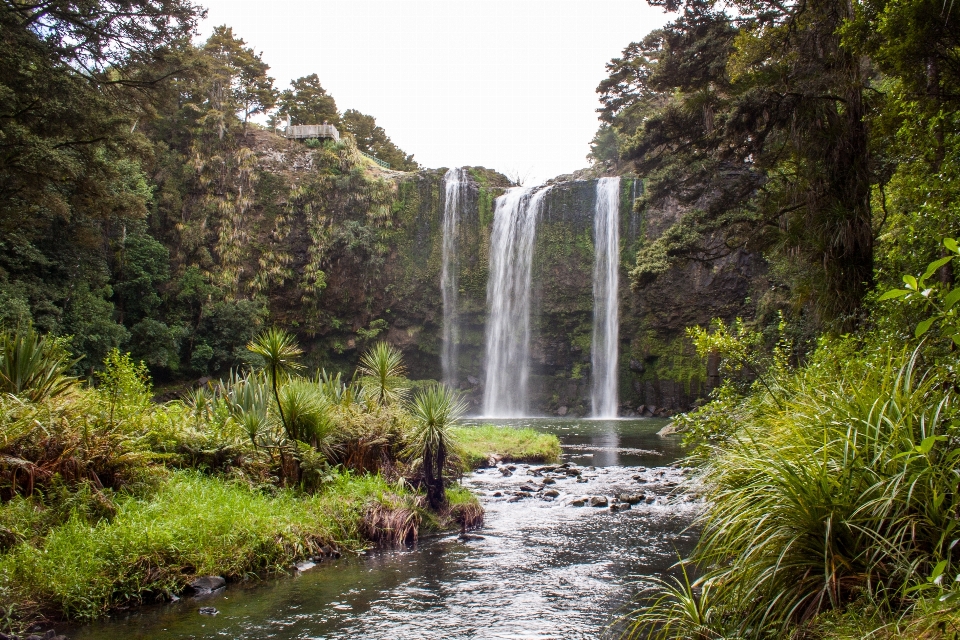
point(508, 302)
point(606, 282)
point(455, 186)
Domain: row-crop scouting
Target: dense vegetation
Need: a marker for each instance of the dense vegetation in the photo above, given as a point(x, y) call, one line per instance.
point(109, 497)
point(825, 136)
point(126, 182)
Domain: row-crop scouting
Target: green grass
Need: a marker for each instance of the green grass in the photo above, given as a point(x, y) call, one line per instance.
point(477, 444)
point(193, 525)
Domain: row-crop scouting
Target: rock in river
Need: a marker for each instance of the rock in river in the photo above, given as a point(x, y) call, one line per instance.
point(599, 501)
point(206, 584)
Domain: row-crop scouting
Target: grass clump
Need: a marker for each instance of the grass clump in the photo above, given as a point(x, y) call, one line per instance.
point(479, 444)
point(833, 486)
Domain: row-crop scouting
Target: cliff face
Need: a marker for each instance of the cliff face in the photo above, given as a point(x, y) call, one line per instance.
point(357, 255)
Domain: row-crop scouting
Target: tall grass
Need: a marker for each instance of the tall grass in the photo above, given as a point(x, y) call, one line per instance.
point(848, 490)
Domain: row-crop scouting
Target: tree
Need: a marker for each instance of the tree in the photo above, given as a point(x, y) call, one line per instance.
point(758, 125)
point(373, 139)
point(279, 350)
point(76, 81)
point(306, 102)
point(240, 82)
point(435, 410)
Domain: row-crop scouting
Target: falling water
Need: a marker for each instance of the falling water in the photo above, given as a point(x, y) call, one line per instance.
point(606, 322)
point(508, 299)
point(455, 182)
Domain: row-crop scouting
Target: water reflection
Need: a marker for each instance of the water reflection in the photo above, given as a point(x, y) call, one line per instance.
point(544, 568)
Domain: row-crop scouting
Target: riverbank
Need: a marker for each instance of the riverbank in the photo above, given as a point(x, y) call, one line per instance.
point(78, 555)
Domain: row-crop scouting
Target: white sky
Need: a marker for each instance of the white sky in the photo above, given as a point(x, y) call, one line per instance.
point(509, 85)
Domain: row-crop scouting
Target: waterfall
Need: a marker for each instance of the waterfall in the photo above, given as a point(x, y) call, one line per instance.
point(606, 322)
point(455, 183)
point(508, 301)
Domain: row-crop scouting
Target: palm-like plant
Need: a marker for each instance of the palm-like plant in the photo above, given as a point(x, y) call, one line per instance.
point(280, 351)
point(435, 410)
point(248, 400)
point(308, 413)
point(33, 366)
point(381, 369)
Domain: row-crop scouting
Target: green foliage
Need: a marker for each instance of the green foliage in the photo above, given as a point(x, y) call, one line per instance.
point(743, 356)
point(939, 301)
point(33, 366)
point(239, 76)
point(307, 102)
point(381, 372)
point(435, 410)
point(842, 490)
point(199, 526)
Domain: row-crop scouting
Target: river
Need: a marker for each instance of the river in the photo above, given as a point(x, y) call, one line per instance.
point(542, 569)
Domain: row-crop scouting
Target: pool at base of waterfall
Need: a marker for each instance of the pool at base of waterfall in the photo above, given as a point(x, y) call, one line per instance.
point(546, 564)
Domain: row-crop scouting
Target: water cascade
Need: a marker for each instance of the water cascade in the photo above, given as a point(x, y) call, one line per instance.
point(606, 321)
point(508, 301)
point(455, 183)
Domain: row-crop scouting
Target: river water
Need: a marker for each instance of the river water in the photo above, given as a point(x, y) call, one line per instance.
point(543, 568)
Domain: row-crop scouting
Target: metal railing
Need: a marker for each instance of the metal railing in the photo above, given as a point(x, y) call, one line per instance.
point(382, 163)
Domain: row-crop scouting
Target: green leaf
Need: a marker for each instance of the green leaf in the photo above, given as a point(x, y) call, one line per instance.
point(926, 445)
point(895, 293)
point(911, 282)
point(951, 298)
point(956, 339)
point(924, 326)
point(951, 244)
point(938, 571)
point(933, 266)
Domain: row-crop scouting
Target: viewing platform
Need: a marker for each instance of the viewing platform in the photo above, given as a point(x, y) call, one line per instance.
point(301, 131)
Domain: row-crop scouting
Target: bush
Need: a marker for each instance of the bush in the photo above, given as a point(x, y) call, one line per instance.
point(845, 489)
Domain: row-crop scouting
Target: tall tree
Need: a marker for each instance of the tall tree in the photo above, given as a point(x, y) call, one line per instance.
point(77, 80)
point(758, 124)
point(240, 80)
point(307, 102)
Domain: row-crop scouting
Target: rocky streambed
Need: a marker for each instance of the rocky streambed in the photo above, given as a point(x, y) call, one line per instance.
point(564, 550)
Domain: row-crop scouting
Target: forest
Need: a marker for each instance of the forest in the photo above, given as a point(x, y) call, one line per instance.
point(150, 336)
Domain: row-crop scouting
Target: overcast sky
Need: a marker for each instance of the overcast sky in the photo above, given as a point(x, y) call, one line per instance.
point(508, 85)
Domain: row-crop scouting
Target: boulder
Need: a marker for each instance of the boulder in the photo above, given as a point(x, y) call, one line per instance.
point(562, 411)
point(668, 430)
point(526, 487)
point(549, 481)
point(306, 565)
point(551, 493)
point(206, 584)
point(599, 501)
point(506, 472)
point(579, 502)
point(208, 611)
